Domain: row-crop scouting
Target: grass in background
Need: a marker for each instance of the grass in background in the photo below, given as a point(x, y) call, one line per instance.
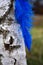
point(35, 56)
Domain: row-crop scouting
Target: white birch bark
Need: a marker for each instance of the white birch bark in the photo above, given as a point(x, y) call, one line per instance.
point(12, 48)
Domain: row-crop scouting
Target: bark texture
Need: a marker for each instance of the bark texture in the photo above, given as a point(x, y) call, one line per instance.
point(12, 48)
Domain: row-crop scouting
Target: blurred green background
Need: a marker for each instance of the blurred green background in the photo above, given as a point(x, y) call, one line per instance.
point(35, 56)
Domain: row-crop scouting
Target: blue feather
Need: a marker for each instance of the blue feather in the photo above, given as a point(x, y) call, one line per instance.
point(23, 13)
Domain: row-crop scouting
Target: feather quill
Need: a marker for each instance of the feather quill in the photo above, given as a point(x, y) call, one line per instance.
point(23, 13)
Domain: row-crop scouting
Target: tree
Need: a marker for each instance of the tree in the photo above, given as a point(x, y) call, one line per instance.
point(12, 48)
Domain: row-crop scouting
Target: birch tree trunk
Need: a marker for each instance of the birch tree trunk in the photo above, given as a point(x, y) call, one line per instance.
point(12, 48)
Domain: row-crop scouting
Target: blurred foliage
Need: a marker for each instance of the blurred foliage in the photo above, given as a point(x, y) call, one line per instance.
point(35, 56)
